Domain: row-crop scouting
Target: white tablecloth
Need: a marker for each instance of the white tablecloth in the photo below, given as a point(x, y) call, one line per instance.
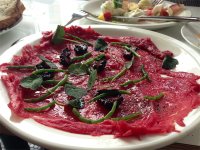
point(42, 15)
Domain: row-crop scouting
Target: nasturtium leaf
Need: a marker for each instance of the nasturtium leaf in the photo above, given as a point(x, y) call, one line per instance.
point(59, 34)
point(74, 91)
point(169, 62)
point(48, 62)
point(92, 79)
point(76, 103)
point(32, 82)
point(78, 69)
point(100, 45)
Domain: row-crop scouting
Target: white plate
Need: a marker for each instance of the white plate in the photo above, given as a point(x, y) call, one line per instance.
point(57, 139)
point(191, 33)
point(93, 6)
point(12, 27)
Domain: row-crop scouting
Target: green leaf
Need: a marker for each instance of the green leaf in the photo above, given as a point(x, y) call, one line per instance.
point(48, 62)
point(100, 45)
point(32, 82)
point(59, 34)
point(169, 62)
point(92, 79)
point(74, 91)
point(117, 3)
point(78, 69)
point(76, 103)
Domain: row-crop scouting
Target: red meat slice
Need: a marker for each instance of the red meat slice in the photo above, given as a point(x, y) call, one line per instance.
point(181, 91)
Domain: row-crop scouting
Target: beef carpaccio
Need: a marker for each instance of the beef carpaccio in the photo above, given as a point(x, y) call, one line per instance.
point(80, 81)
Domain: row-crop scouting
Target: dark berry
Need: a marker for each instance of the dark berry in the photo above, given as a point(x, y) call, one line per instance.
point(100, 65)
point(107, 101)
point(65, 59)
point(47, 75)
point(42, 65)
point(80, 49)
point(66, 52)
point(128, 55)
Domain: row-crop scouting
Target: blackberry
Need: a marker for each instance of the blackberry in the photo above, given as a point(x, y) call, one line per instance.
point(42, 65)
point(65, 59)
point(46, 75)
point(127, 55)
point(80, 49)
point(100, 65)
point(107, 101)
point(66, 52)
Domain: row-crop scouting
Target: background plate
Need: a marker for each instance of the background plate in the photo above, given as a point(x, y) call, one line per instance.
point(12, 27)
point(57, 139)
point(191, 33)
point(93, 6)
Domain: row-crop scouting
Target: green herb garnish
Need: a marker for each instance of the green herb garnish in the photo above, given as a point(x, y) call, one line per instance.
point(42, 108)
point(92, 79)
point(78, 69)
point(130, 49)
point(31, 82)
point(169, 62)
point(128, 117)
point(48, 62)
point(109, 92)
point(79, 39)
point(91, 60)
point(22, 67)
point(74, 91)
point(83, 68)
point(156, 97)
point(49, 91)
point(82, 57)
point(90, 121)
point(145, 76)
point(76, 103)
point(120, 44)
point(41, 71)
point(50, 82)
point(60, 33)
point(100, 45)
point(126, 67)
point(127, 47)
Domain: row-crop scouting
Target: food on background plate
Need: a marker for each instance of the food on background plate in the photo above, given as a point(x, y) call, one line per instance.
point(10, 12)
point(133, 9)
point(80, 81)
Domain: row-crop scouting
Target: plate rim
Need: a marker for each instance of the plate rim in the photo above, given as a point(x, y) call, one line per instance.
point(174, 137)
point(153, 26)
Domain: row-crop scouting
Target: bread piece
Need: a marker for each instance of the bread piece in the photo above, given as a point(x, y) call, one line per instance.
point(10, 12)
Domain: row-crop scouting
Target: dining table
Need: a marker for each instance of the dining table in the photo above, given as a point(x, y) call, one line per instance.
point(45, 15)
